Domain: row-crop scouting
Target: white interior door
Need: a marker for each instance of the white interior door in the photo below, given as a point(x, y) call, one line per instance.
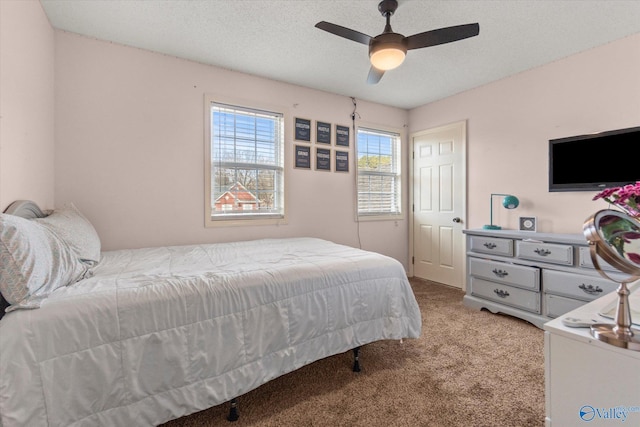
point(439, 187)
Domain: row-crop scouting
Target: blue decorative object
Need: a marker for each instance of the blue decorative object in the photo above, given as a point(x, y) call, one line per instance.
point(509, 202)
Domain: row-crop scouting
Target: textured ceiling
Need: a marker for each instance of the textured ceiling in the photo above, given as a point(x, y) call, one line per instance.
point(277, 38)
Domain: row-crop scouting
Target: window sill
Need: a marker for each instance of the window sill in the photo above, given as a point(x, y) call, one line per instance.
point(389, 217)
point(209, 223)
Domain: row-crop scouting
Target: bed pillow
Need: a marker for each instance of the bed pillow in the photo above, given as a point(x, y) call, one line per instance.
point(33, 262)
point(75, 229)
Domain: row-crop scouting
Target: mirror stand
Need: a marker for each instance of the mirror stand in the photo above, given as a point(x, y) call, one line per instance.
point(615, 236)
point(619, 334)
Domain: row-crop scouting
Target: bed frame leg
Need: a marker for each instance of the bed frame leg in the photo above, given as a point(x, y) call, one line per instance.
point(356, 362)
point(233, 411)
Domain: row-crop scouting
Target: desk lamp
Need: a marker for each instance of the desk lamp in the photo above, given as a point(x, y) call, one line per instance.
point(509, 202)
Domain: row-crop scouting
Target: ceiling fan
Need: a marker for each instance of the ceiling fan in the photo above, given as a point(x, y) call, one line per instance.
point(387, 50)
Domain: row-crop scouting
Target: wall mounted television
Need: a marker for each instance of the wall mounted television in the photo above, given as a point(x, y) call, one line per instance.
point(595, 161)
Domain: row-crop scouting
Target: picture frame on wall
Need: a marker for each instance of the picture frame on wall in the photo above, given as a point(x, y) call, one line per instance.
point(302, 157)
point(323, 132)
point(527, 223)
point(342, 161)
point(302, 129)
point(342, 135)
point(323, 159)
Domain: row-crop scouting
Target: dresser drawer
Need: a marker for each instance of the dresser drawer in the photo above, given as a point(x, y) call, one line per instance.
point(545, 252)
point(507, 295)
point(510, 274)
point(584, 260)
point(556, 306)
point(578, 286)
point(492, 245)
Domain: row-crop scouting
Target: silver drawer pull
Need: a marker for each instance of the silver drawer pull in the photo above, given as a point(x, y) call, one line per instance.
point(501, 293)
point(542, 252)
point(590, 289)
point(500, 273)
point(490, 245)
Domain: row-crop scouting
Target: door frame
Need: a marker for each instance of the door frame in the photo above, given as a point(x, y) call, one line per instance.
point(463, 215)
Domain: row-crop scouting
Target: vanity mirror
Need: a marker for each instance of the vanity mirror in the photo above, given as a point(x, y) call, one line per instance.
point(615, 237)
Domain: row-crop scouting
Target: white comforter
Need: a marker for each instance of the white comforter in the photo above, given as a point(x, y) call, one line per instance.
point(158, 333)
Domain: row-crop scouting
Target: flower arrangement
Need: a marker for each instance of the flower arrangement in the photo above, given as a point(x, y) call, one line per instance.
point(626, 198)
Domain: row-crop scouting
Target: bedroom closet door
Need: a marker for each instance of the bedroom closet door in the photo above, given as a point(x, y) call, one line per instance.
point(439, 194)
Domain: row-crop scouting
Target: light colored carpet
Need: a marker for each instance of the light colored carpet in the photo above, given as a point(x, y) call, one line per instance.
point(468, 368)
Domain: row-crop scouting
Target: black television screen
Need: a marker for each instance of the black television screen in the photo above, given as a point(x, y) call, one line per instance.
point(596, 161)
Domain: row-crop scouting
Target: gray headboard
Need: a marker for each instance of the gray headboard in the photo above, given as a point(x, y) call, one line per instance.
point(26, 209)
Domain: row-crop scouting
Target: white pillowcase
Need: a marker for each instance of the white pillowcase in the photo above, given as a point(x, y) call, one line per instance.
point(34, 262)
point(72, 227)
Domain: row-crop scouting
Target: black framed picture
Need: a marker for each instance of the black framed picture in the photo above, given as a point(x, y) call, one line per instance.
point(342, 161)
point(302, 129)
point(342, 135)
point(323, 132)
point(323, 159)
point(302, 157)
point(527, 223)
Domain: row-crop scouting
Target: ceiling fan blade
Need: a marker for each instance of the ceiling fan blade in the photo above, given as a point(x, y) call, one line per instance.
point(374, 75)
point(442, 36)
point(344, 32)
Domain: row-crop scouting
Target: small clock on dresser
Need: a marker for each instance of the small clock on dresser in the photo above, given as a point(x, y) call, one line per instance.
point(527, 223)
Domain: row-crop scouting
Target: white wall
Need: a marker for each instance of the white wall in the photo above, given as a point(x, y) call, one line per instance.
point(26, 104)
point(511, 121)
point(129, 137)
point(130, 147)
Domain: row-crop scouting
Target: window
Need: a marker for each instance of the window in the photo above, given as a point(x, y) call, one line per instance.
point(379, 176)
point(245, 163)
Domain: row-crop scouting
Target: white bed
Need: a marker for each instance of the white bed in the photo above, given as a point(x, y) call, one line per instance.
point(159, 333)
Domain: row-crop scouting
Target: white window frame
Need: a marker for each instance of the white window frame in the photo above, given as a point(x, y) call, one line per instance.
point(397, 173)
point(251, 217)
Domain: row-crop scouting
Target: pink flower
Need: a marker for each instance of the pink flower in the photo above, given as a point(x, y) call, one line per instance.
point(627, 197)
point(631, 235)
point(606, 193)
point(633, 257)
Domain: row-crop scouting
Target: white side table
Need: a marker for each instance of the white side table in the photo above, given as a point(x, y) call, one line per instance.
point(589, 382)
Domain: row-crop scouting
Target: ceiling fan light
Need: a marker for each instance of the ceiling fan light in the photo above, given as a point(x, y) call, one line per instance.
point(387, 58)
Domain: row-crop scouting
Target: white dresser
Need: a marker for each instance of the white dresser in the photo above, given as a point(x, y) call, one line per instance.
point(588, 382)
point(533, 276)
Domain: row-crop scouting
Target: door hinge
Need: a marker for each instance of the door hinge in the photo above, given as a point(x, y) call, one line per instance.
point(413, 260)
point(413, 208)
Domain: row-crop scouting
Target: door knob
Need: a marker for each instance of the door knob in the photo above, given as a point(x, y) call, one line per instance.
point(456, 219)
